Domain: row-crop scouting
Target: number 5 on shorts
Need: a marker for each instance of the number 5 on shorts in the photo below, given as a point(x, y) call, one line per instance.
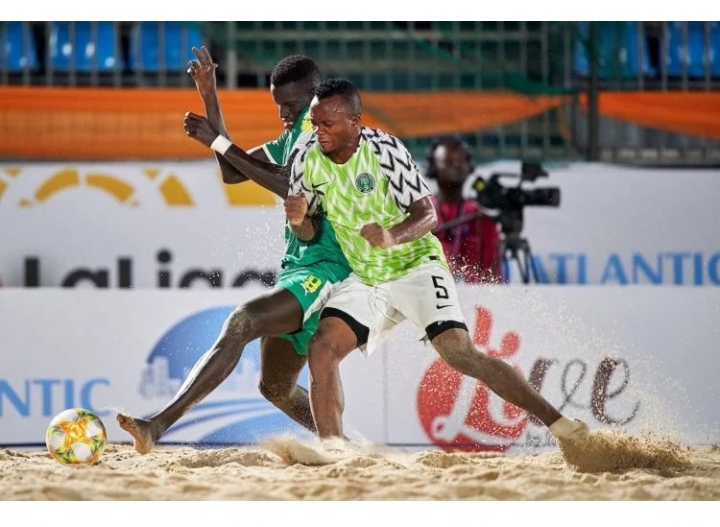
point(440, 290)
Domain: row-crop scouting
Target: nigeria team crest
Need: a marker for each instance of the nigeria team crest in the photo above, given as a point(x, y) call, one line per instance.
point(365, 183)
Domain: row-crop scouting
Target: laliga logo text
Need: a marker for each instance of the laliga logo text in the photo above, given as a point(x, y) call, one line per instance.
point(458, 412)
point(47, 205)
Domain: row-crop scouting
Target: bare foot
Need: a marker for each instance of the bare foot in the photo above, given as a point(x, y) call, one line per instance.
point(140, 430)
point(292, 451)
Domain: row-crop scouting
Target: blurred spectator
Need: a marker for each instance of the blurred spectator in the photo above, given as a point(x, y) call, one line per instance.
point(470, 246)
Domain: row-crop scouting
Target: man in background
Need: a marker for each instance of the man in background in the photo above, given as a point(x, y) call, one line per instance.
point(469, 238)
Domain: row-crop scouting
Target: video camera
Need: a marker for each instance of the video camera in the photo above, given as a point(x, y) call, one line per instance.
point(509, 201)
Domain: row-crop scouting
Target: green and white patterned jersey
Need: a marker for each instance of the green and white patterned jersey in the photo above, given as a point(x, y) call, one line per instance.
point(376, 185)
point(325, 247)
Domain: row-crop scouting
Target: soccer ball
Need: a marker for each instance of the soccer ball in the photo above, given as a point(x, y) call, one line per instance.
point(76, 437)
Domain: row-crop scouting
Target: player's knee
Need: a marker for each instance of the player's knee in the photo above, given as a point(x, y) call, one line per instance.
point(323, 351)
point(275, 392)
point(241, 326)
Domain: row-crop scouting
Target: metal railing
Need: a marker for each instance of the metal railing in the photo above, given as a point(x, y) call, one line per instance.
point(526, 57)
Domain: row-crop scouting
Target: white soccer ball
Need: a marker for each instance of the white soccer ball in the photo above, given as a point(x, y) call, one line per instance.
point(76, 437)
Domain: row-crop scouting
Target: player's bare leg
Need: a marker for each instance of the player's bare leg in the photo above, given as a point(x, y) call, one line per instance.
point(276, 313)
point(280, 367)
point(332, 342)
point(458, 350)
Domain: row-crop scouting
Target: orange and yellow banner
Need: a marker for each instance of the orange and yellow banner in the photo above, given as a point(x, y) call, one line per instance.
point(692, 113)
point(115, 123)
point(133, 124)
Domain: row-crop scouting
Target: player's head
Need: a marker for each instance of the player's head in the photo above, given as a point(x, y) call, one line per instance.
point(449, 161)
point(335, 114)
point(293, 82)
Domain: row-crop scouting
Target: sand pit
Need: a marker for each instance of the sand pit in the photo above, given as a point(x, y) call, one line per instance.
point(607, 467)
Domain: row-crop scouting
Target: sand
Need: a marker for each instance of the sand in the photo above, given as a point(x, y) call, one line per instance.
point(606, 466)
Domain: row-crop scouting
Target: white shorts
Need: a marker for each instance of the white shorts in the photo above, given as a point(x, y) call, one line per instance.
point(426, 296)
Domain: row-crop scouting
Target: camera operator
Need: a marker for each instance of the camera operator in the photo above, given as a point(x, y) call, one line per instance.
point(470, 245)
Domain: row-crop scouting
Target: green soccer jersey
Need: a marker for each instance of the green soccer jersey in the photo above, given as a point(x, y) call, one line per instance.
point(376, 185)
point(325, 247)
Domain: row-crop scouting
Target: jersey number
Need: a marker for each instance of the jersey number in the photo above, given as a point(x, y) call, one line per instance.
point(311, 284)
point(440, 290)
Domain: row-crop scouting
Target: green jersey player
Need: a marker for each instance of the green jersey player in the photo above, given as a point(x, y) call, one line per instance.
point(367, 184)
point(286, 317)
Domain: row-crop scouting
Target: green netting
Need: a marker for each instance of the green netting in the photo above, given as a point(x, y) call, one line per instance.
point(389, 56)
point(528, 58)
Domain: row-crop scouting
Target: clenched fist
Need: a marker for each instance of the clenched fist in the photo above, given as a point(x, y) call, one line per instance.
point(296, 208)
point(199, 128)
point(377, 236)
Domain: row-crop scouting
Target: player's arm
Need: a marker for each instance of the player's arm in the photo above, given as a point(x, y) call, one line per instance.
point(231, 173)
point(301, 204)
point(202, 71)
point(422, 219)
point(304, 226)
point(268, 175)
point(411, 194)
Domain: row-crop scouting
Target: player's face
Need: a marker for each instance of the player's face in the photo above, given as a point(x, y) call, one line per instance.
point(336, 127)
point(291, 99)
point(452, 163)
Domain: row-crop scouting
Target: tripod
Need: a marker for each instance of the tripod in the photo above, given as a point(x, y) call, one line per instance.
point(513, 247)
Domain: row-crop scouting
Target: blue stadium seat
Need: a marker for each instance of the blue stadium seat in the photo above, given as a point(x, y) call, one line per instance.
point(696, 49)
point(84, 49)
point(17, 57)
point(693, 54)
point(618, 51)
point(145, 49)
point(630, 52)
point(580, 60)
point(715, 49)
point(675, 50)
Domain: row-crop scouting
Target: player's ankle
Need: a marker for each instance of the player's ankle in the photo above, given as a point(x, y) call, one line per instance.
point(565, 428)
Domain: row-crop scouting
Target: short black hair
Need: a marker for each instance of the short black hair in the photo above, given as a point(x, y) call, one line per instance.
point(296, 68)
point(342, 87)
point(447, 141)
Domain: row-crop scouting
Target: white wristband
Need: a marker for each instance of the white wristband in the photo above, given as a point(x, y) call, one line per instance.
point(221, 144)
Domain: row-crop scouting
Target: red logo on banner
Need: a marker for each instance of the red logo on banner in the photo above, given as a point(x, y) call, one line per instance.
point(458, 412)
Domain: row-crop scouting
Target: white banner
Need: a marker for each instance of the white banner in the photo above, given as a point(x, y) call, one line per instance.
point(641, 358)
point(622, 225)
point(169, 225)
point(110, 350)
point(175, 225)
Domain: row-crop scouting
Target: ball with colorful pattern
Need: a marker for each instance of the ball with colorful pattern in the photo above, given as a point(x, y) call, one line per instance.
point(76, 436)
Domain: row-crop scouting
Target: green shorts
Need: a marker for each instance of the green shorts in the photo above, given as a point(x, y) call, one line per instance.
point(311, 286)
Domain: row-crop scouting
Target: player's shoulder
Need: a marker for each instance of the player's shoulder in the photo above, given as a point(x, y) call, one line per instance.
point(391, 151)
point(380, 140)
point(372, 135)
